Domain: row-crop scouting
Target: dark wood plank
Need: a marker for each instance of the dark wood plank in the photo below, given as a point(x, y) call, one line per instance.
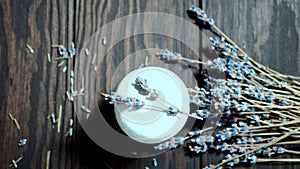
point(32, 88)
point(268, 30)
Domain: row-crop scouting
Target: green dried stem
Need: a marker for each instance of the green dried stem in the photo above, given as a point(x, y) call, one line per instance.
point(276, 140)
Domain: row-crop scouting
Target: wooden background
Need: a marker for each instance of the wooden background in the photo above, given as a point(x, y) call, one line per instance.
point(31, 88)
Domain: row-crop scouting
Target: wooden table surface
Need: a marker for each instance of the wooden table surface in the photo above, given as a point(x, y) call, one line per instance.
point(31, 88)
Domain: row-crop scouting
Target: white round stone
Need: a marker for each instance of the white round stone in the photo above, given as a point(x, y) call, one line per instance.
point(151, 124)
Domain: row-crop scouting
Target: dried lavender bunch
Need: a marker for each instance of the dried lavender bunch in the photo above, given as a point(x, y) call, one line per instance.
point(260, 106)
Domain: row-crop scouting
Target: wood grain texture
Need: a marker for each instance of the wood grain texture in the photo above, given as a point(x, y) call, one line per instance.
point(31, 88)
point(268, 29)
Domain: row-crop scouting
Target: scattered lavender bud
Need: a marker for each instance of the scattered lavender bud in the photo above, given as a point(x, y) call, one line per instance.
point(65, 68)
point(30, 48)
point(85, 109)
point(14, 163)
point(72, 73)
point(87, 52)
point(22, 142)
point(104, 40)
point(154, 162)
